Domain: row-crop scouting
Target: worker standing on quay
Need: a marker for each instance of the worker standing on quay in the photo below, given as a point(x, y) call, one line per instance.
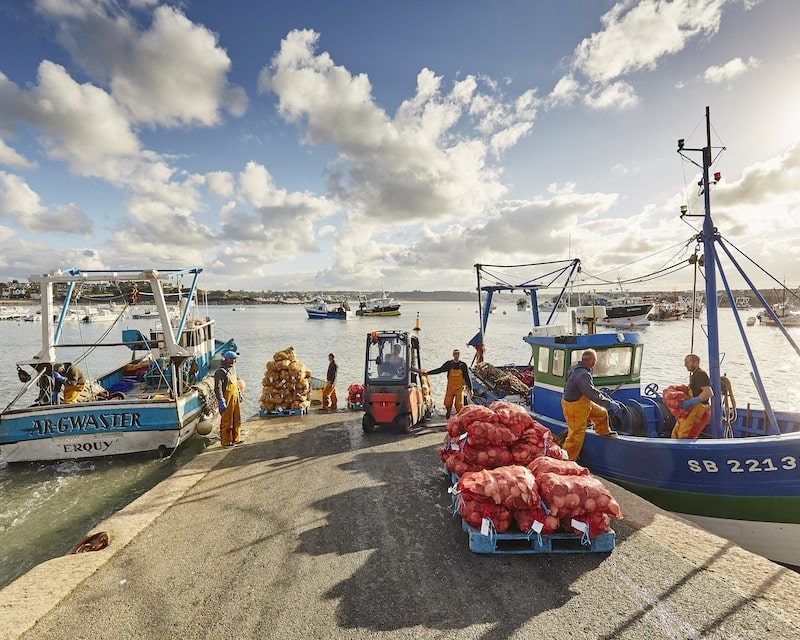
point(71, 378)
point(329, 390)
point(457, 381)
point(582, 402)
point(226, 389)
point(700, 392)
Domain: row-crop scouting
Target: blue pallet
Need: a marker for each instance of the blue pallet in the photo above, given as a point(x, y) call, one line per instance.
point(518, 543)
point(282, 413)
point(355, 406)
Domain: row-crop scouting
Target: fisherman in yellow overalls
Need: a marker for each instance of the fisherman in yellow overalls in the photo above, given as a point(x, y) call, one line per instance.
point(583, 402)
point(457, 380)
point(226, 388)
point(700, 392)
point(71, 379)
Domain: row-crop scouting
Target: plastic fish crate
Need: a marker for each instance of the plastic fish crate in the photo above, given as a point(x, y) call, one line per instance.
point(519, 543)
point(282, 413)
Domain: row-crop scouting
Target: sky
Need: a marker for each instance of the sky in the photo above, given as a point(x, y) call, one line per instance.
point(369, 145)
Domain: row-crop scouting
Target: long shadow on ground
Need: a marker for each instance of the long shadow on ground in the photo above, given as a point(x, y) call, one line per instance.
point(421, 571)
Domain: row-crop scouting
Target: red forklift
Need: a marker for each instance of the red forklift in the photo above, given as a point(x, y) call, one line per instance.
point(394, 391)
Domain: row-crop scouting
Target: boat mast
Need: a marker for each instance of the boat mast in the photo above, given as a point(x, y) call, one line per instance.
point(709, 236)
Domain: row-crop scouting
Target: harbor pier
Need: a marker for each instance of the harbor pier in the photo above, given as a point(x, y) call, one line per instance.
point(312, 529)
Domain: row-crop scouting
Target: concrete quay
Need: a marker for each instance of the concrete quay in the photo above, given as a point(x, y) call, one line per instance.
point(314, 530)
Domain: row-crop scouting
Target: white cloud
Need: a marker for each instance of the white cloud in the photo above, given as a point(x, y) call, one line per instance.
point(637, 36)
point(414, 166)
point(326, 230)
point(173, 74)
point(564, 93)
point(617, 95)
point(81, 123)
point(23, 205)
point(220, 183)
point(12, 158)
point(730, 70)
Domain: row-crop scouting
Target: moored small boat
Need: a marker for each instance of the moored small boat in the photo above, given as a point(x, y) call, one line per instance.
point(320, 310)
point(151, 403)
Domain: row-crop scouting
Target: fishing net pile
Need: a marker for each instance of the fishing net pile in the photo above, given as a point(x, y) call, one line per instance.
point(512, 474)
point(286, 383)
point(500, 382)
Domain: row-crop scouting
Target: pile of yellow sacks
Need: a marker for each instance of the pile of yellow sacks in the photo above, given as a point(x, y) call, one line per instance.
point(286, 383)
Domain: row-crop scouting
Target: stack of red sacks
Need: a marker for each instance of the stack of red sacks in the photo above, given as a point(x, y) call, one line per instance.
point(497, 451)
point(501, 434)
point(355, 394)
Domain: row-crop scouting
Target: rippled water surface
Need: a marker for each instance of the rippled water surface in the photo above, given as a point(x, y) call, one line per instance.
point(46, 507)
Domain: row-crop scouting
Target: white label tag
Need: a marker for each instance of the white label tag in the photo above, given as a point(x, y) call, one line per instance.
point(537, 526)
point(485, 523)
point(454, 446)
point(580, 526)
point(463, 436)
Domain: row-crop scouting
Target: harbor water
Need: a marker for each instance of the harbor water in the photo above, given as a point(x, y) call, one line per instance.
point(46, 507)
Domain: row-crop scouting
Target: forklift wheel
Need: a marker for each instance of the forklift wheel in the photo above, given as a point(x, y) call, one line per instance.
point(368, 423)
point(403, 423)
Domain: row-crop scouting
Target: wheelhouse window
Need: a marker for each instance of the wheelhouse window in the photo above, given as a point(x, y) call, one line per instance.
point(637, 360)
point(558, 362)
point(543, 361)
point(615, 361)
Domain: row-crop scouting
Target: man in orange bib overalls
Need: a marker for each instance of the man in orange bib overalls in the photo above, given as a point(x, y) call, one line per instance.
point(457, 380)
point(226, 388)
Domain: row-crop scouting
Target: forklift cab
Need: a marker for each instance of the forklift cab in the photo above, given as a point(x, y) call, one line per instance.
point(393, 389)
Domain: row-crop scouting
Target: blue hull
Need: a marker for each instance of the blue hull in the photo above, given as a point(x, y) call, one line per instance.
point(97, 428)
point(324, 315)
point(757, 466)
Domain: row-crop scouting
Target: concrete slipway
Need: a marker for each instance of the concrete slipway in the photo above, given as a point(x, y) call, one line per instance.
point(313, 530)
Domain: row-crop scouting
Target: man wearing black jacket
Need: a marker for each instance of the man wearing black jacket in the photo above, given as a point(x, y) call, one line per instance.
point(457, 380)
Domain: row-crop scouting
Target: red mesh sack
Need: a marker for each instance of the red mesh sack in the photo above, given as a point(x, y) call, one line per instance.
point(455, 462)
point(561, 467)
point(513, 487)
point(513, 417)
point(554, 451)
point(482, 434)
point(676, 394)
point(573, 496)
point(457, 425)
point(476, 504)
point(355, 393)
point(487, 457)
point(599, 523)
point(526, 517)
point(535, 441)
point(474, 511)
point(673, 396)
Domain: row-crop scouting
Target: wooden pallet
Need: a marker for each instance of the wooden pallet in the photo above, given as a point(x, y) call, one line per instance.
point(282, 413)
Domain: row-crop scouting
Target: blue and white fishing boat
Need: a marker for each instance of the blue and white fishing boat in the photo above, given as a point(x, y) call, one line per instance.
point(320, 310)
point(741, 477)
point(153, 402)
